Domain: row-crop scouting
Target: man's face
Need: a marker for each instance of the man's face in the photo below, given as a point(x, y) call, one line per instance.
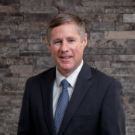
point(67, 46)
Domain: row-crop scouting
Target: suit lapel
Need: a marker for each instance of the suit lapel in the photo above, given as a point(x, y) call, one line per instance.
point(47, 89)
point(81, 88)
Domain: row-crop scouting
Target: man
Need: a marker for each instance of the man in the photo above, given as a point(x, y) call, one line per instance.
point(87, 103)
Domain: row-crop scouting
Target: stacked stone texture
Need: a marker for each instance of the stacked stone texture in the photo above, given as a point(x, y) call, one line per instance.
point(23, 48)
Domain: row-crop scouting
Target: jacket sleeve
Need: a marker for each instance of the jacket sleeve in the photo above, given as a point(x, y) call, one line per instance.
point(112, 114)
point(25, 122)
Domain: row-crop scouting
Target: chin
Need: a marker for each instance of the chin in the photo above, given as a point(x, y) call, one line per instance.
point(66, 67)
point(67, 70)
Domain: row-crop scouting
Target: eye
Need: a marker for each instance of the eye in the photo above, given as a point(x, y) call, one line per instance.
point(71, 40)
point(57, 42)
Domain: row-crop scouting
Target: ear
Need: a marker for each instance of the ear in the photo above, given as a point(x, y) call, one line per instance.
point(49, 47)
point(85, 39)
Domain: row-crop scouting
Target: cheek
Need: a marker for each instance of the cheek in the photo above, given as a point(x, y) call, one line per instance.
point(53, 51)
point(79, 51)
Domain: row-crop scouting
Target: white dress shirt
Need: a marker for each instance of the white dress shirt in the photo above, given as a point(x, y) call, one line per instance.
point(57, 88)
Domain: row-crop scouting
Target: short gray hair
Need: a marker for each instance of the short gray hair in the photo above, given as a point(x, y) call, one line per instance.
point(65, 18)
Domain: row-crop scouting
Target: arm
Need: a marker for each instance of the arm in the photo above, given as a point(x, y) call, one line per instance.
point(24, 124)
point(112, 114)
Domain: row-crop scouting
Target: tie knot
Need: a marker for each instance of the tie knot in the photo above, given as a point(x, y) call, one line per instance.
point(64, 84)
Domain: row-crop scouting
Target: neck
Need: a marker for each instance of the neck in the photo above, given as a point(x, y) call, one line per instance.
point(67, 73)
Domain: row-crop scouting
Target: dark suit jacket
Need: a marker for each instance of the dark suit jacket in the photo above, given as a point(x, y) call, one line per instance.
point(94, 109)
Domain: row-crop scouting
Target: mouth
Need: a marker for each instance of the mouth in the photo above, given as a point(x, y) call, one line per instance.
point(65, 58)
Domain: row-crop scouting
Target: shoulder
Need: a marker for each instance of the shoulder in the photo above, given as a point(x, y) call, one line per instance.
point(100, 75)
point(45, 75)
point(107, 81)
point(102, 78)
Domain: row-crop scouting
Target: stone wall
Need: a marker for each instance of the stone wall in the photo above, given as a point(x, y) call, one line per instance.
point(23, 51)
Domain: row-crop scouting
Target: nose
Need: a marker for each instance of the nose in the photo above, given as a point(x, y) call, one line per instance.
point(64, 47)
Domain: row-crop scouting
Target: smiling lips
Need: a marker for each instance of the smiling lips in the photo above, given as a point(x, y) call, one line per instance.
point(65, 58)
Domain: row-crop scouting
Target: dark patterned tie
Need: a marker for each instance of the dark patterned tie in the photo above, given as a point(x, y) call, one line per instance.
point(61, 104)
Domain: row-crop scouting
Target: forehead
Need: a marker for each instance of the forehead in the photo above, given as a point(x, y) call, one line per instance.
point(67, 28)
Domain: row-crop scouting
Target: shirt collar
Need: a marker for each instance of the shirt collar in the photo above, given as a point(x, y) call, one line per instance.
point(71, 78)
